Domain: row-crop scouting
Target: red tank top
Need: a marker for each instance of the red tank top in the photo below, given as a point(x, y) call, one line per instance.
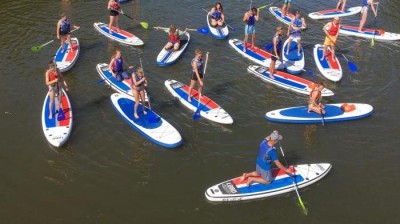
point(174, 37)
point(334, 29)
point(53, 75)
point(115, 6)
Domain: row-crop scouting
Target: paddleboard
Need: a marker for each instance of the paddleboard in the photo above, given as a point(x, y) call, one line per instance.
point(278, 14)
point(287, 81)
point(123, 87)
point(331, 13)
point(66, 59)
point(257, 55)
point(168, 57)
point(293, 62)
point(122, 36)
point(151, 125)
point(236, 190)
point(122, 1)
point(57, 131)
point(330, 68)
point(380, 34)
point(208, 108)
point(217, 32)
point(333, 113)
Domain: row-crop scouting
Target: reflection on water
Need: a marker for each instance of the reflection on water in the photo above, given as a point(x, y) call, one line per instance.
point(309, 135)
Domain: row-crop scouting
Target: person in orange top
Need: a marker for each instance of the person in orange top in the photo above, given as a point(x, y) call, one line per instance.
point(54, 80)
point(331, 30)
point(173, 38)
point(314, 101)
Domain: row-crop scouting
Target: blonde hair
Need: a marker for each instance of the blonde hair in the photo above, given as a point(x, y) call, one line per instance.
point(197, 51)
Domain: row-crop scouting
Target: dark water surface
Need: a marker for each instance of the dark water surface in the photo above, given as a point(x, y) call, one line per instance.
point(108, 173)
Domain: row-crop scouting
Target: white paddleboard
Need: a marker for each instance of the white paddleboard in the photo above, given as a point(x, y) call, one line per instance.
point(168, 57)
point(377, 34)
point(121, 36)
point(332, 13)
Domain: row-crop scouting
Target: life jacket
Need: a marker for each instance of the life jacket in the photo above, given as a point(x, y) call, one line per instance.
point(278, 43)
point(199, 64)
point(53, 75)
point(297, 23)
point(316, 98)
point(348, 107)
point(174, 37)
point(115, 6)
point(263, 152)
point(141, 85)
point(65, 25)
point(216, 14)
point(251, 20)
point(366, 3)
point(118, 64)
point(334, 29)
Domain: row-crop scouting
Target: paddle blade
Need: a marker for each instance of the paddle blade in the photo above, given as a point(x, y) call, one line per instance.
point(310, 72)
point(303, 208)
point(203, 30)
point(196, 115)
point(372, 42)
point(100, 81)
point(61, 115)
point(352, 67)
point(269, 46)
point(144, 25)
point(36, 48)
point(153, 118)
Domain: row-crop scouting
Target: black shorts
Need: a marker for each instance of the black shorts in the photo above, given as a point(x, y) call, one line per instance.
point(63, 33)
point(194, 76)
point(273, 58)
point(114, 13)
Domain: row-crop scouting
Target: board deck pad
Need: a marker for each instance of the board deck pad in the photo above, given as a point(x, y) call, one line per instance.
point(67, 58)
point(120, 36)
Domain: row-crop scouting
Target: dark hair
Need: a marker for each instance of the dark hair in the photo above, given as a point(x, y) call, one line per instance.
point(254, 9)
point(298, 12)
point(219, 3)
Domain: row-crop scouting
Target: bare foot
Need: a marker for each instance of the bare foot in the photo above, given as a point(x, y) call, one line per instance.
point(51, 116)
point(189, 99)
point(323, 58)
point(144, 112)
point(242, 177)
point(136, 115)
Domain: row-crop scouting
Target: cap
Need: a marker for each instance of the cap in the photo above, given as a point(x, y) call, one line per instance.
point(274, 136)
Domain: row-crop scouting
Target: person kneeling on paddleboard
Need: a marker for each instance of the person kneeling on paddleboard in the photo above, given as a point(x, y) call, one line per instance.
point(331, 30)
point(314, 103)
point(266, 155)
point(138, 84)
point(294, 31)
point(63, 31)
point(173, 38)
point(54, 81)
point(276, 50)
point(116, 67)
point(250, 18)
point(217, 15)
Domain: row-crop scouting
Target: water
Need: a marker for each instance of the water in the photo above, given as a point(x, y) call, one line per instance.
point(108, 173)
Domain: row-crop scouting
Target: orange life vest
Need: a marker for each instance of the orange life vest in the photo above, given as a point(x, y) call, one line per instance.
point(334, 29)
point(173, 37)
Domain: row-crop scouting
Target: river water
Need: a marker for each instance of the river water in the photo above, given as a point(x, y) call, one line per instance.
point(108, 173)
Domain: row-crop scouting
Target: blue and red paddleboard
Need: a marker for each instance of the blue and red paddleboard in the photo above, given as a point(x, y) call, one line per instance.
point(208, 108)
point(150, 125)
point(377, 34)
point(58, 129)
point(66, 59)
point(237, 190)
point(121, 36)
point(287, 81)
point(294, 62)
point(257, 55)
point(331, 13)
point(329, 67)
point(333, 113)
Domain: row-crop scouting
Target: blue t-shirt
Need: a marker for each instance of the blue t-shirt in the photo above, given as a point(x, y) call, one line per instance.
point(266, 155)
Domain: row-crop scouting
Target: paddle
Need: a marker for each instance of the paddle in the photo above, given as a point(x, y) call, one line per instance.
point(37, 48)
point(152, 117)
point(294, 183)
point(202, 30)
point(373, 38)
point(351, 65)
point(196, 115)
point(233, 29)
point(261, 7)
point(143, 24)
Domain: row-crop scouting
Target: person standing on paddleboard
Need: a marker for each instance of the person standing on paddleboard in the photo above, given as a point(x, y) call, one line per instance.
point(285, 7)
point(63, 31)
point(54, 81)
point(250, 18)
point(341, 5)
point(173, 38)
point(115, 9)
point(366, 4)
point(276, 50)
point(314, 99)
point(138, 84)
point(217, 15)
point(294, 31)
point(116, 67)
point(331, 30)
point(197, 74)
point(266, 155)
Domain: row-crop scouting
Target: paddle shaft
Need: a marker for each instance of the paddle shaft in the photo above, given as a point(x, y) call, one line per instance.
point(373, 38)
point(261, 7)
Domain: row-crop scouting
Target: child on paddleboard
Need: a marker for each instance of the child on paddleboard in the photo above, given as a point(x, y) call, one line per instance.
point(364, 12)
point(276, 50)
point(63, 31)
point(331, 30)
point(115, 9)
point(197, 73)
point(138, 84)
point(217, 15)
point(285, 7)
point(173, 38)
point(266, 155)
point(54, 81)
point(341, 5)
point(294, 31)
point(314, 100)
point(250, 18)
point(116, 67)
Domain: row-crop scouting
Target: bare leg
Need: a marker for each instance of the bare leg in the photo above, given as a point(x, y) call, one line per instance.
point(176, 46)
point(245, 42)
point(137, 100)
point(298, 46)
point(142, 99)
point(117, 23)
point(110, 24)
point(362, 21)
point(253, 39)
point(323, 53)
point(192, 82)
point(51, 95)
point(288, 45)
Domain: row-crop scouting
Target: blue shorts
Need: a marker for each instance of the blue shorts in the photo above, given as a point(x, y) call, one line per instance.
point(265, 174)
point(122, 75)
point(285, 2)
point(249, 29)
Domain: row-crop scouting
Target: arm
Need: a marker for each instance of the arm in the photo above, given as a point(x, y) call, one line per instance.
point(304, 22)
point(258, 15)
point(282, 167)
point(326, 28)
point(275, 41)
point(222, 17)
point(110, 67)
point(109, 5)
point(211, 11)
point(245, 16)
point(373, 7)
point(58, 29)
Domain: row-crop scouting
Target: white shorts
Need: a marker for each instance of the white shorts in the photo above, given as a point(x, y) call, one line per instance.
point(295, 36)
point(364, 9)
